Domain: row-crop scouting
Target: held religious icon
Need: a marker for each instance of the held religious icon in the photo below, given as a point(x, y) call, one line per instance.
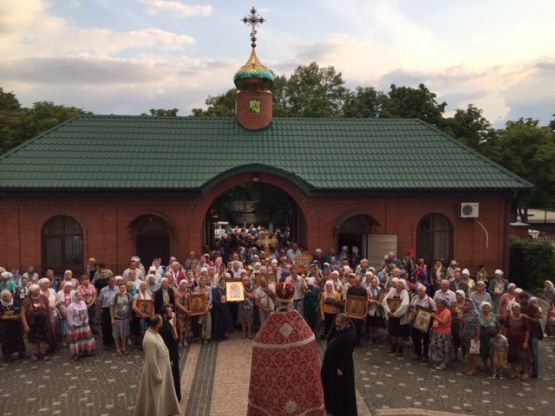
point(146, 306)
point(423, 319)
point(235, 292)
point(271, 277)
point(393, 304)
point(197, 304)
point(302, 262)
point(356, 307)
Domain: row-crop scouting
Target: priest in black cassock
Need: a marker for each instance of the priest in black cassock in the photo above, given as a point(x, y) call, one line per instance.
point(169, 335)
point(338, 373)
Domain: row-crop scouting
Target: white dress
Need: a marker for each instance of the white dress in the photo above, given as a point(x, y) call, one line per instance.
point(156, 394)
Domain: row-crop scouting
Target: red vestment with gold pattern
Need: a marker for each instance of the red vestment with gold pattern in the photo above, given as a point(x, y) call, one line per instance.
point(285, 369)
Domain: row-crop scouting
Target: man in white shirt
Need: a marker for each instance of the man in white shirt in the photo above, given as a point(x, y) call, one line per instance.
point(421, 340)
point(293, 252)
point(264, 298)
point(300, 286)
point(133, 265)
point(445, 293)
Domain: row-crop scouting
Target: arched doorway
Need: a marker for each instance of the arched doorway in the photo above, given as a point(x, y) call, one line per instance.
point(62, 245)
point(152, 236)
point(434, 238)
point(258, 204)
point(354, 231)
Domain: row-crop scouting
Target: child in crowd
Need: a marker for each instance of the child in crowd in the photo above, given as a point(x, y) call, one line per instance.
point(499, 351)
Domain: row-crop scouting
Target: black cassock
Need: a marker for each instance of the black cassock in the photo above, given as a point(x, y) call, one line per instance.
point(171, 343)
point(339, 391)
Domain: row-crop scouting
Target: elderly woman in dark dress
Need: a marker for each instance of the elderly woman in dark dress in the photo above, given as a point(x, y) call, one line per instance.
point(470, 331)
point(11, 331)
point(488, 323)
point(456, 323)
point(35, 316)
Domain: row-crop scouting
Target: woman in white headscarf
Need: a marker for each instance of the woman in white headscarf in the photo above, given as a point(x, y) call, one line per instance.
point(11, 330)
point(395, 305)
point(457, 309)
point(80, 336)
point(54, 327)
point(488, 323)
point(64, 300)
point(35, 314)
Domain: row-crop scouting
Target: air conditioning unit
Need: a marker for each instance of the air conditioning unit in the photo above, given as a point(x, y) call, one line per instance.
point(469, 210)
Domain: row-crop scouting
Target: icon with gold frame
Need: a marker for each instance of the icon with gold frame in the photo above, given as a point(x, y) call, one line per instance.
point(356, 307)
point(393, 304)
point(146, 306)
point(302, 263)
point(197, 304)
point(423, 319)
point(234, 291)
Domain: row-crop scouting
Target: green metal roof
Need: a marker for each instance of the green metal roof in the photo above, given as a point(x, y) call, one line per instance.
point(137, 152)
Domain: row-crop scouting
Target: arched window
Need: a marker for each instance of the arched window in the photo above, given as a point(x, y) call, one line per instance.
point(62, 240)
point(434, 238)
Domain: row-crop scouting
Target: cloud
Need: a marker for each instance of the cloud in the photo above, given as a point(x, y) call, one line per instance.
point(177, 8)
point(533, 95)
point(77, 70)
point(28, 29)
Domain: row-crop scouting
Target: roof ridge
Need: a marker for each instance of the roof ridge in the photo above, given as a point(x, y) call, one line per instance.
point(192, 117)
point(478, 154)
point(41, 135)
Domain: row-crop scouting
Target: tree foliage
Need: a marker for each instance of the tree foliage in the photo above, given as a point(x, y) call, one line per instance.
point(18, 124)
point(527, 149)
point(408, 102)
point(471, 128)
point(364, 102)
point(8, 101)
point(531, 262)
point(219, 106)
point(162, 112)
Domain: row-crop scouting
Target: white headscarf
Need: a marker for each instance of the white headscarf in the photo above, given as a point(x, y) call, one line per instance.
point(4, 303)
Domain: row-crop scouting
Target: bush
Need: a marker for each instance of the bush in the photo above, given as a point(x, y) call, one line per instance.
point(531, 263)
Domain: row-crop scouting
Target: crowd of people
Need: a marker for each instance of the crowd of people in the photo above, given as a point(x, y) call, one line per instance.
point(484, 320)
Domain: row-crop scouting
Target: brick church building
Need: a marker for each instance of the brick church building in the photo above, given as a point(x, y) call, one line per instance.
point(111, 187)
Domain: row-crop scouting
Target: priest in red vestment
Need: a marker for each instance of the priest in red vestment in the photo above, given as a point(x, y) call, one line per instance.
point(285, 369)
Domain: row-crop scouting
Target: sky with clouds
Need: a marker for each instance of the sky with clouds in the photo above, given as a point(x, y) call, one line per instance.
point(127, 56)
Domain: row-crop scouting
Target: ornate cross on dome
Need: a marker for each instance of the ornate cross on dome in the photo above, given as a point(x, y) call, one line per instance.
point(254, 20)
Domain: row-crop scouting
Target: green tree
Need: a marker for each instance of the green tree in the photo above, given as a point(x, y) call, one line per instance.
point(222, 105)
point(162, 112)
point(363, 102)
point(470, 127)
point(21, 124)
point(528, 150)
point(408, 102)
point(8, 101)
point(312, 91)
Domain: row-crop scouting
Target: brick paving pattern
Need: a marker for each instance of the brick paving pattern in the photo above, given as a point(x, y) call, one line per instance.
point(216, 376)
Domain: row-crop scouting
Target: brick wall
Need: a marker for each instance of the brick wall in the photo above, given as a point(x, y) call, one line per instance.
point(106, 235)
point(253, 120)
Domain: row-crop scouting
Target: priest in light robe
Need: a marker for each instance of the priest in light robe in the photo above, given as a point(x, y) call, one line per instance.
point(156, 393)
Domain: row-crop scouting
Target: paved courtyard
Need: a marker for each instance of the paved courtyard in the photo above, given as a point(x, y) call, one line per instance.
point(215, 382)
